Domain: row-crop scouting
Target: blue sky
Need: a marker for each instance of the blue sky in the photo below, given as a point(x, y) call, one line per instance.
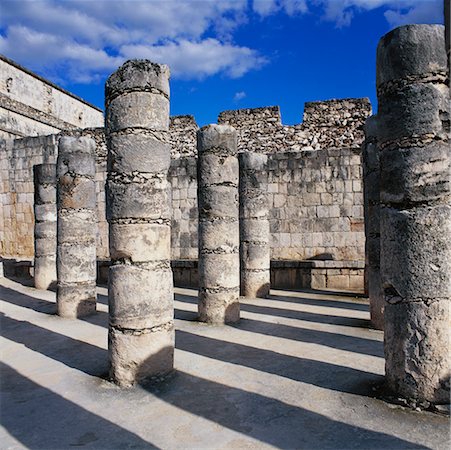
point(223, 54)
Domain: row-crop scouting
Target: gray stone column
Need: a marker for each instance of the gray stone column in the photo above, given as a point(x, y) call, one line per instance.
point(217, 194)
point(44, 225)
point(254, 225)
point(141, 331)
point(371, 196)
point(77, 227)
point(413, 138)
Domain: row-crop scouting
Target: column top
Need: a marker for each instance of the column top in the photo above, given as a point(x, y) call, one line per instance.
point(138, 75)
point(411, 51)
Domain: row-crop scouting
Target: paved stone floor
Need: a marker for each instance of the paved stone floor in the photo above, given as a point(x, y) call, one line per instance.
point(297, 372)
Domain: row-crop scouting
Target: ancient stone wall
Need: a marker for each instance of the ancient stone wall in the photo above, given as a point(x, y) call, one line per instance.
point(316, 205)
point(315, 195)
point(32, 106)
point(17, 159)
point(326, 124)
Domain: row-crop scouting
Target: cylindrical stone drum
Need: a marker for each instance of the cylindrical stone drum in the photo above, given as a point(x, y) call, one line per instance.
point(44, 225)
point(77, 227)
point(254, 225)
point(140, 289)
point(413, 138)
point(371, 199)
point(219, 262)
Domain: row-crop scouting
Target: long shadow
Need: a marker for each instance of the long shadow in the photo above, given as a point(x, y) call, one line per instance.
point(27, 301)
point(340, 304)
point(306, 316)
point(268, 420)
point(318, 373)
point(41, 419)
point(71, 352)
point(353, 344)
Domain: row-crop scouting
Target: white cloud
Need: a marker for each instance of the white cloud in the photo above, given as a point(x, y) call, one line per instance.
point(423, 12)
point(399, 12)
point(81, 40)
point(267, 7)
point(189, 59)
point(239, 96)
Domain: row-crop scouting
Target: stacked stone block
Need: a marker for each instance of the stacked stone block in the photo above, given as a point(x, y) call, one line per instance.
point(219, 262)
point(44, 225)
point(140, 288)
point(413, 137)
point(254, 225)
point(76, 228)
point(371, 194)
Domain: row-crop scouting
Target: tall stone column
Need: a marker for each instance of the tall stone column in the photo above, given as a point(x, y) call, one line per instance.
point(44, 225)
point(371, 196)
point(217, 194)
point(413, 138)
point(140, 289)
point(254, 225)
point(77, 227)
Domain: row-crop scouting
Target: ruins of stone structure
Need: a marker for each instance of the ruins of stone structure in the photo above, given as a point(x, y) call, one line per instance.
point(255, 255)
point(413, 139)
point(140, 288)
point(44, 225)
point(219, 259)
point(76, 228)
point(312, 175)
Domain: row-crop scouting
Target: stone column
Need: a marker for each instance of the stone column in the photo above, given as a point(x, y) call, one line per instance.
point(217, 194)
point(254, 225)
point(141, 331)
point(413, 138)
point(371, 193)
point(44, 225)
point(77, 227)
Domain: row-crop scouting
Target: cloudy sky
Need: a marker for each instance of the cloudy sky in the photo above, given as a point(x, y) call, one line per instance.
point(223, 54)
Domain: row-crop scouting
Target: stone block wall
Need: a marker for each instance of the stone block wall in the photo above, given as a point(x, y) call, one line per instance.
point(315, 182)
point(315, 201)
point(17, 159)
point(33, 106)
point(316, 205)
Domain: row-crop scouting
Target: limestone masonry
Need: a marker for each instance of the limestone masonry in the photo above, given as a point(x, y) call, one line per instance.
point(343, 200)
point(140, 287)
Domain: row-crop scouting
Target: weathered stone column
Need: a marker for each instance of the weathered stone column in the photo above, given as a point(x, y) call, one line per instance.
point(413, 138)
point(44, 225)
point(77, 227)
point(254, 225)
point(141, 331)
point(217, 194)
point(371, 196)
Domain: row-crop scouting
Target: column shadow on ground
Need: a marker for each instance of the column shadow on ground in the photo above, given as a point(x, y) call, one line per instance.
point(52, 422)
point(73, 353)
point(268, 420)
point(318, 373)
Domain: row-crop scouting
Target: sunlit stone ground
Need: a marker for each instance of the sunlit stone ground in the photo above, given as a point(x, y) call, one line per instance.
point(297, 372)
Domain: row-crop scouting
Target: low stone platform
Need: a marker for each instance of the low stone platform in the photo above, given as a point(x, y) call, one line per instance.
point(296, 372)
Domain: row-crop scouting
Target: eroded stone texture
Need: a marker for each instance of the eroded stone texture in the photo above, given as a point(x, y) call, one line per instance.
point(140, 288)
point(77, 227)
point(219, 273)
point(44, 225)
point(254, 225)
point(413, 138)
point(371, 196)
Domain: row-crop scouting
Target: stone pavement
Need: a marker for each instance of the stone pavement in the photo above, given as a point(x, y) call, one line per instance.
point(296, 372)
